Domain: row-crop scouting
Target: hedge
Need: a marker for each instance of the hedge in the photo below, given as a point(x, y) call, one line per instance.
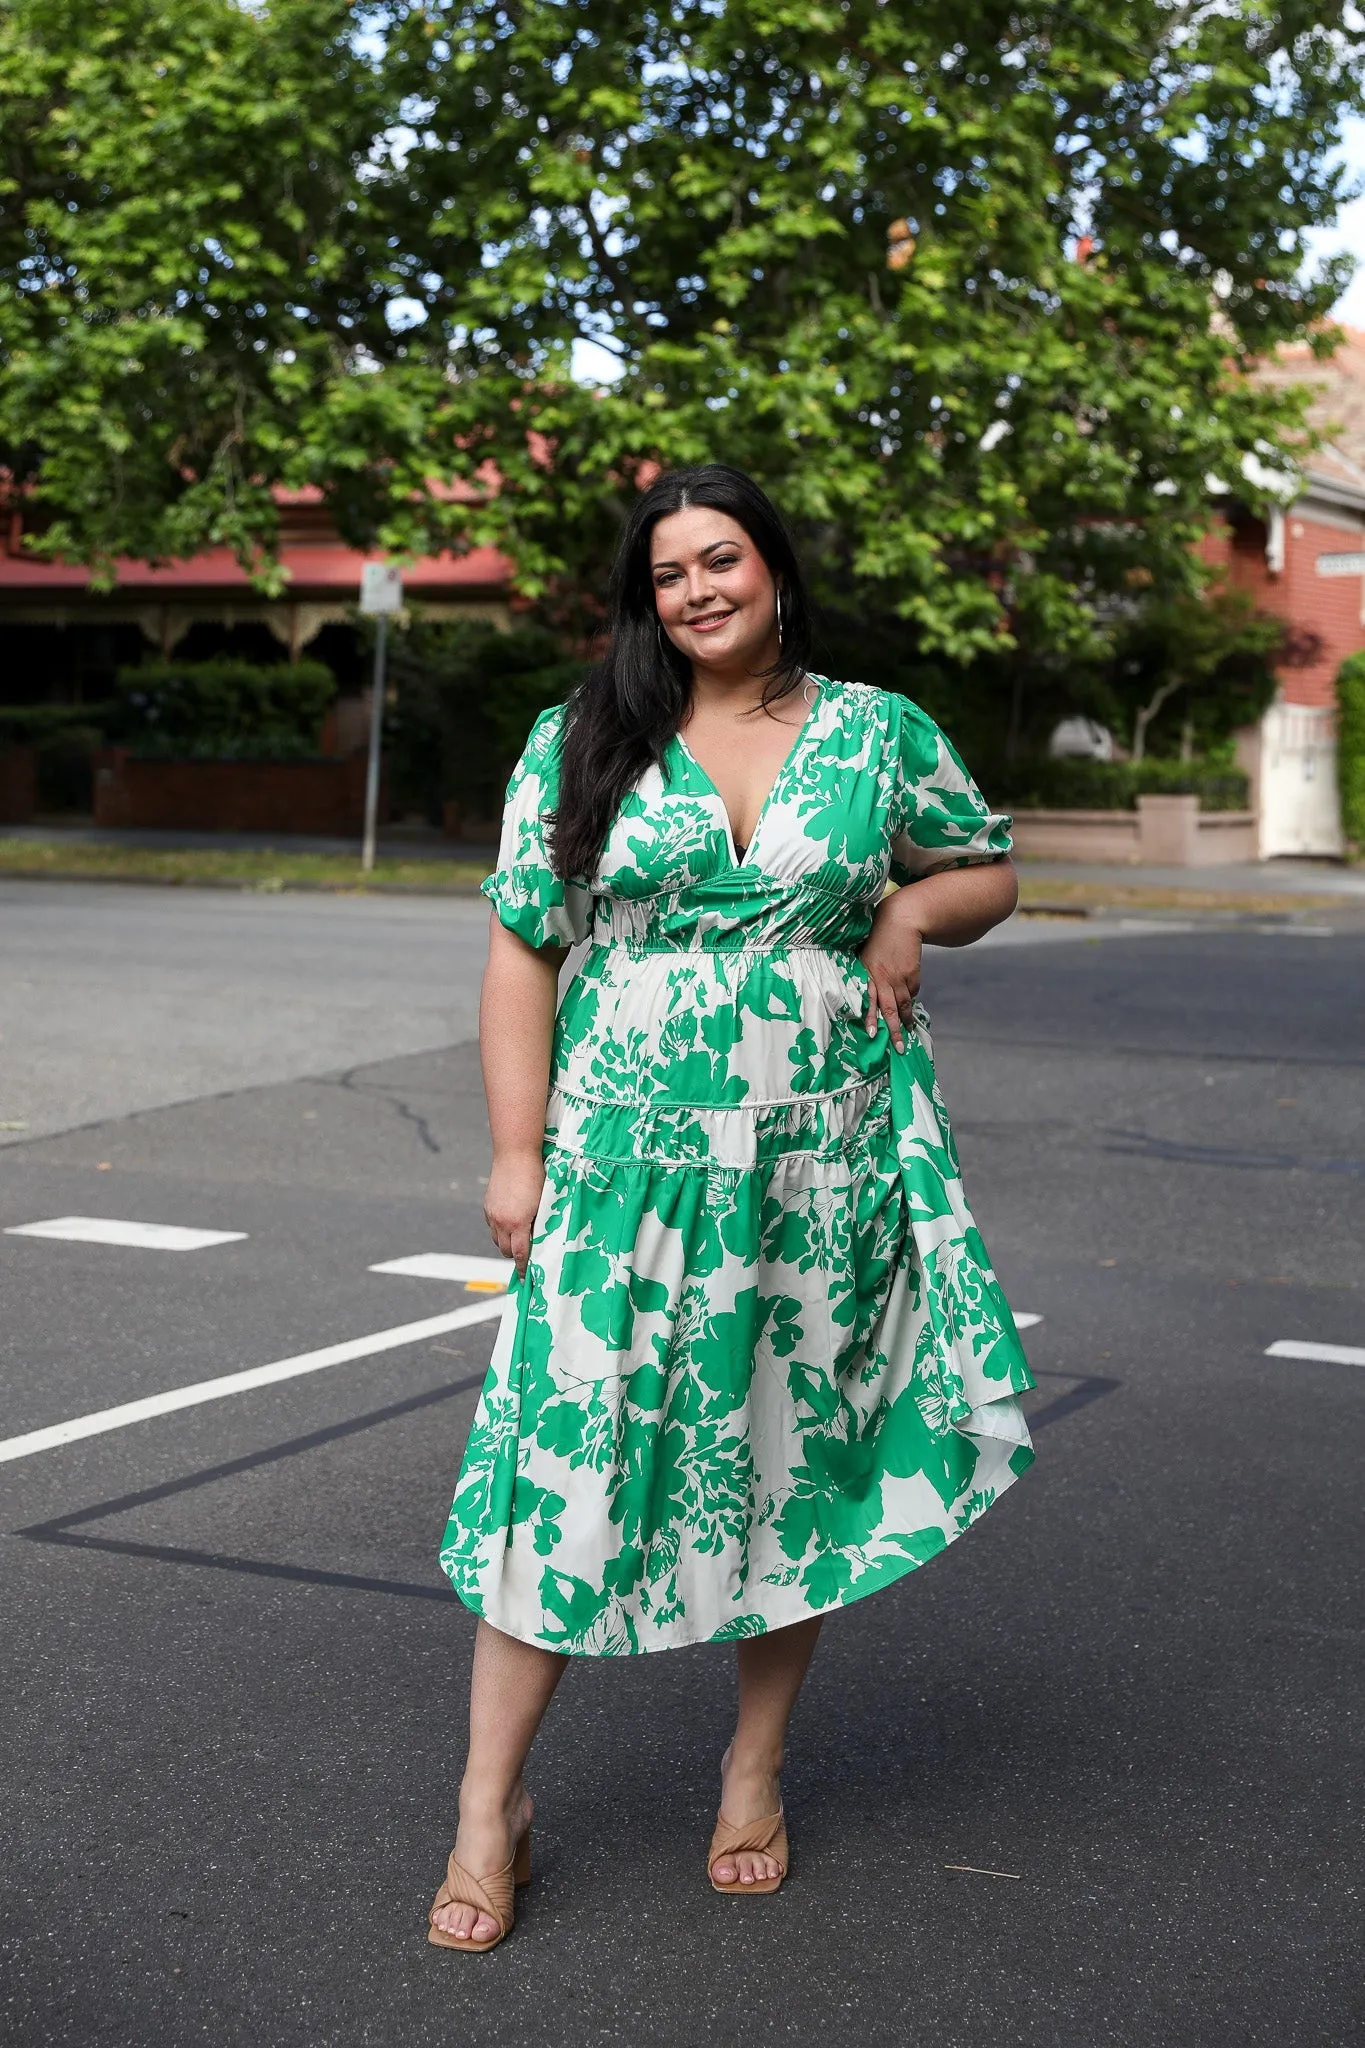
point(1351, 746)
point(1116, 785)
point(223, 710)
point(31, 725)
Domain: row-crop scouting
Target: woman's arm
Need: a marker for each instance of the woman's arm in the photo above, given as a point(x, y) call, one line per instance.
point(951, 909)
point(516, 1027)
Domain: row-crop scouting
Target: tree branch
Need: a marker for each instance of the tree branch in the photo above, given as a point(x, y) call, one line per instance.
point(1144, 717)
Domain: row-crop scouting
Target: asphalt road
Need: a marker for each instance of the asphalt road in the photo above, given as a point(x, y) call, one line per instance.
point(234, 1682)
point(122, 998)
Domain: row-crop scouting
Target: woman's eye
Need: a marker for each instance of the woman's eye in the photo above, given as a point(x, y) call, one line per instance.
point(724, 561)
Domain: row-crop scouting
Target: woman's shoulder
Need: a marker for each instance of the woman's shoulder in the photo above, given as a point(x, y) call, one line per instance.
point(541, 750)
point(889, 709)
point(548, 729)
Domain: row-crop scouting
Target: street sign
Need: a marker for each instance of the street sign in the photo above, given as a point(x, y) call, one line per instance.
point(381, 590)
point(381, 598)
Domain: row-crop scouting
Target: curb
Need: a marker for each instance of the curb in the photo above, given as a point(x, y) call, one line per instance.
point(269, 886)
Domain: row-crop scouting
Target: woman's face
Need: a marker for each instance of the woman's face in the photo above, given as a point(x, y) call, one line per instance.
point(715, 594)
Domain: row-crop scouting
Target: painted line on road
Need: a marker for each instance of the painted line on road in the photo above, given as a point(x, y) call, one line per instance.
point(104, 1419)
point(480, 1273)
point(149, 1237)
point(1024, 1321)
point(1322, 1354)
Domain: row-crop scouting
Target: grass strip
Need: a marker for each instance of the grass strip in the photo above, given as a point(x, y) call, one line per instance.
point(1108, 895)
point(262, 867)
point(273, 868)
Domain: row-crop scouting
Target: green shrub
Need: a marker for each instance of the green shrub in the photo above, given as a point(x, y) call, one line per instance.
point(1351, 746)
point(1116, 785)
point(222, 710)
point(466, 696)
point(32, 725)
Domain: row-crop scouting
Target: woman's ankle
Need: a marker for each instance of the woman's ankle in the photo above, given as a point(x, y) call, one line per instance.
point(754, 1760)
point(484, 1801)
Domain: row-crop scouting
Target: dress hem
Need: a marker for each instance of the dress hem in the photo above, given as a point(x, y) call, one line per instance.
point(1022, 1456)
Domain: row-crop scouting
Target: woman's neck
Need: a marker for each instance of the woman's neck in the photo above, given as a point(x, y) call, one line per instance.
point(736, 690)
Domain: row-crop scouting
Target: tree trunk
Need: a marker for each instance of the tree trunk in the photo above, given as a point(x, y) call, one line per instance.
point(1144, 717)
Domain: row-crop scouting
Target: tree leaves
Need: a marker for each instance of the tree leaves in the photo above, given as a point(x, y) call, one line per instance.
point(322, 246)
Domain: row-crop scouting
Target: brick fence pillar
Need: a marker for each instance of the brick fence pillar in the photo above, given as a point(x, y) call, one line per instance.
point(1168, 831)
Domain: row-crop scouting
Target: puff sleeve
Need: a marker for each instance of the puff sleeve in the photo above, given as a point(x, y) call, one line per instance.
point(939, 818)
point(528, 896)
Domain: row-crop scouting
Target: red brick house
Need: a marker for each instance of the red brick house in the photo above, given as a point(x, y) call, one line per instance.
point(61, 639)
point(1306, 563)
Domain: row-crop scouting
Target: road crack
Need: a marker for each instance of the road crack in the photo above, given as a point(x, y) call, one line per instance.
point(351, 1082)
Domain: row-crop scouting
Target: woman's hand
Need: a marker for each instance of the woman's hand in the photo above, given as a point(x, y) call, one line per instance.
point(953, 908)
point(892, 959)
point(511, 1202)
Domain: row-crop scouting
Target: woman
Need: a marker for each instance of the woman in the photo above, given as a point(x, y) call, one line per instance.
point(759, 1364)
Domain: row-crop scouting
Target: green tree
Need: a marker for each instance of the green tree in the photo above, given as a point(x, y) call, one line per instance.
point(837, 244)
point(466, 696)
point(193, 269)
point(1351, 749)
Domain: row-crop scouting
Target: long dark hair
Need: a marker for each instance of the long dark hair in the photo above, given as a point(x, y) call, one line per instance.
point(626, 710)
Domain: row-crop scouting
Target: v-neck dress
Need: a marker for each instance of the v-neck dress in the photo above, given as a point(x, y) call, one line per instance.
point(759, 1364)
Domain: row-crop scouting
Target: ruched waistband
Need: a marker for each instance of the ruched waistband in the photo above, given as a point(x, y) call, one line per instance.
point(720, 943)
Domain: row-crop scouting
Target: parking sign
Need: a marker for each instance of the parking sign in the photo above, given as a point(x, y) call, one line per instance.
point(381, 590)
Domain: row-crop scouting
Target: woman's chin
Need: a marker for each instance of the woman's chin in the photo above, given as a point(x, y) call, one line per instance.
point(726, 644)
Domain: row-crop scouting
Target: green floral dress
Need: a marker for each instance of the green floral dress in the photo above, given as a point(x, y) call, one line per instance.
point(759, 1364)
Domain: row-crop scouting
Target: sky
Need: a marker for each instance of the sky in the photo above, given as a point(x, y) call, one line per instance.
point(1349, 230)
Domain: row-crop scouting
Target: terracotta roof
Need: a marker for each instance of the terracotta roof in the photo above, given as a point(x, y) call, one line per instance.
point(1338, 407)
point(321, 569)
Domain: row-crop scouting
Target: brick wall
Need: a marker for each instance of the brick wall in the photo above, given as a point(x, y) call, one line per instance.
point(1328, 607)
point(326, 798)
point(18, 785)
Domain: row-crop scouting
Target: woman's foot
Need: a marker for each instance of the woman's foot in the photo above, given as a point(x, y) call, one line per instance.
point(486, 1842)
point(750, 1789)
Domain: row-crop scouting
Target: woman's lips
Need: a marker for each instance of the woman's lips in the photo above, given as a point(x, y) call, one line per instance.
point(708, 622)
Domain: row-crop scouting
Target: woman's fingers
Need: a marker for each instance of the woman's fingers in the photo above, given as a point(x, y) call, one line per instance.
point(891, 999)
point(513, 1241)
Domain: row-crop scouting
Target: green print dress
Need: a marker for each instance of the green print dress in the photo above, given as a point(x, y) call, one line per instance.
point(759, 1364)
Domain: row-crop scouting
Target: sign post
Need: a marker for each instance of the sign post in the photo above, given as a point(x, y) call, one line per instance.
point(381, 598)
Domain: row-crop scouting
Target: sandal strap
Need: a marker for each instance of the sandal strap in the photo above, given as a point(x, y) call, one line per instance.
point(764, 1837)
point(492, 1895)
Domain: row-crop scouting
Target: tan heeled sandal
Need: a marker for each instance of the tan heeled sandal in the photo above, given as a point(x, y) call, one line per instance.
point(767, 1837)
point(494, 1895)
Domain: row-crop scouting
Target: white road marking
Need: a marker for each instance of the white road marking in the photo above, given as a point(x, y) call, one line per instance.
point(449, 1266)
point(150, 1237)
point(1025, 1322)
point(1324, 1354)
point(242, 1382)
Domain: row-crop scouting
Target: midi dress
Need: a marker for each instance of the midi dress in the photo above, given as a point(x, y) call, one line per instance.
point(759, 1364)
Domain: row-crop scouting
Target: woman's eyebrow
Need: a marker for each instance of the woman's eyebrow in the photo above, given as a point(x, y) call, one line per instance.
point(709, 549)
